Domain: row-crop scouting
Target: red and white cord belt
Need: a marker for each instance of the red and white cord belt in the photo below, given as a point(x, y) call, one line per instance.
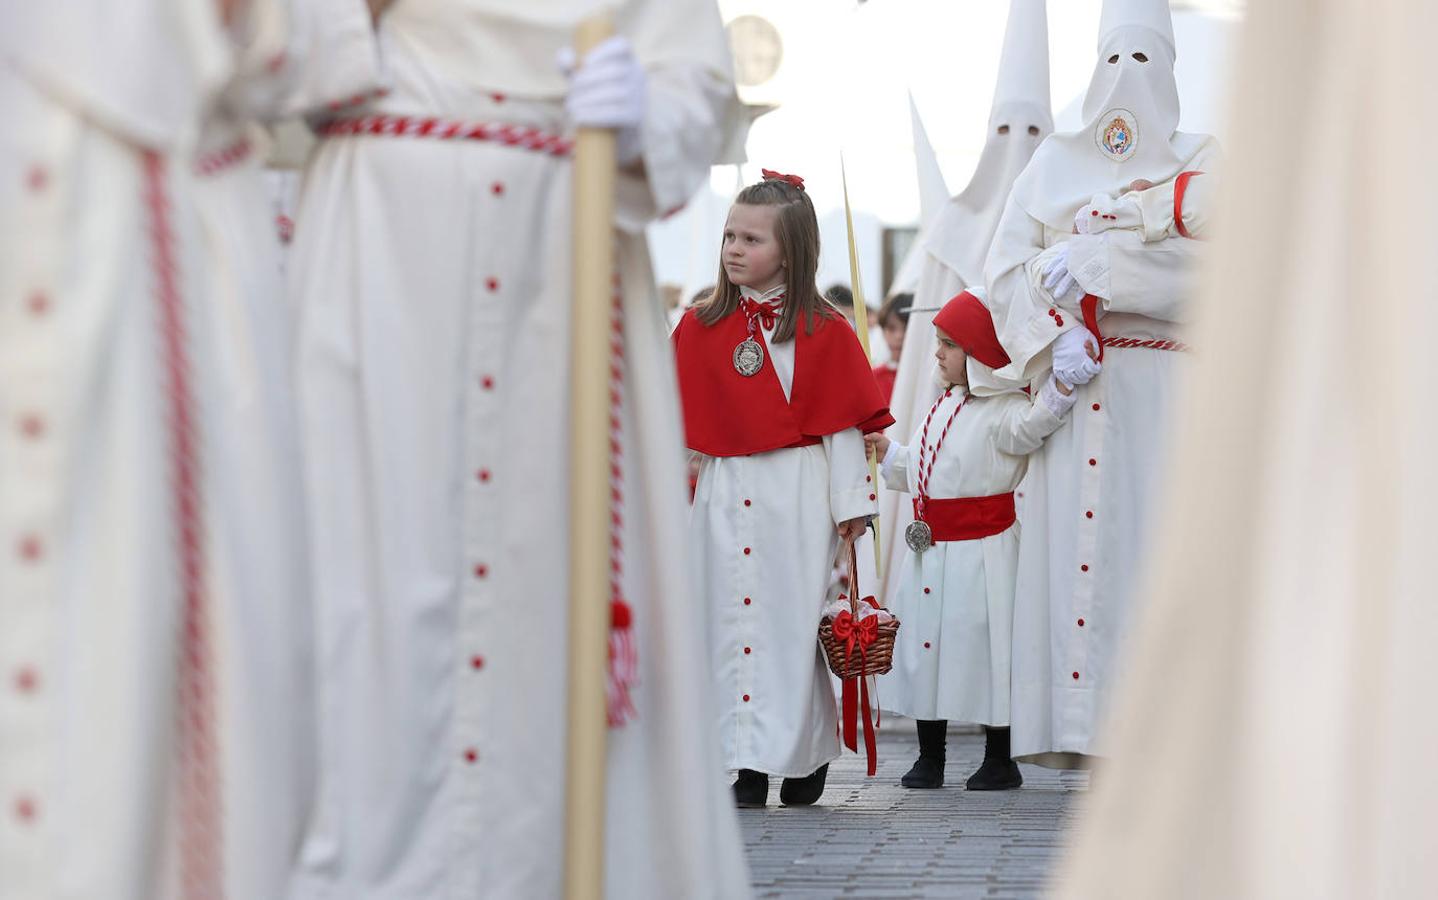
point(216, 161)
point(520, 136)
point(1145, 344)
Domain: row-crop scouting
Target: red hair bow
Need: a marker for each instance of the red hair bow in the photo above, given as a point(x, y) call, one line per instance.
point(795, 180)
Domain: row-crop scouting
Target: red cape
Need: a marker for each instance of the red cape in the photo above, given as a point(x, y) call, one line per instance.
point(727, 414)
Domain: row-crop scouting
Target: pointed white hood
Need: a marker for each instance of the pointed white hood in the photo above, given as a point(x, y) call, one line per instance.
point(1020, 119)
point(1130, 112)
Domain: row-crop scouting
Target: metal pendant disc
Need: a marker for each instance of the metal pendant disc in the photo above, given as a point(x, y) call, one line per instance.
point(919, 536)
point(748, 357)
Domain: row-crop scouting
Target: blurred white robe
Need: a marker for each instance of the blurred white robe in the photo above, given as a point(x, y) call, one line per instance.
point(154, 628)
point(1274, 736)
point(432, 279)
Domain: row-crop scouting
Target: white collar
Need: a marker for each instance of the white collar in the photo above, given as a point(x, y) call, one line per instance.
point(749, 293)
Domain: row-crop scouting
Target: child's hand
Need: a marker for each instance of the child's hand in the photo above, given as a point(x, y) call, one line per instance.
point(876, 445)
point(853, 528)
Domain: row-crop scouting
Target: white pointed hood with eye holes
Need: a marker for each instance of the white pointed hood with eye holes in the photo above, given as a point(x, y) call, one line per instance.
point(1022, 112)
point(1130, 116)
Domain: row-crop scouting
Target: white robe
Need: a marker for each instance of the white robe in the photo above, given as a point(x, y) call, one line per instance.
point(97, 490)
point(1105, 460)
point(762, 533)
point(433, 284)
point(1275, 738)
point(916, 387)
point(955, 602)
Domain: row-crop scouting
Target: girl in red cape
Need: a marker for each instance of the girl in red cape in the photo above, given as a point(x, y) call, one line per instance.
point(777, 395)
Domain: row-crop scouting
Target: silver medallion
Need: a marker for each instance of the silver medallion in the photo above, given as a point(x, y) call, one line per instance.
point(748, 357)
point(919, 536)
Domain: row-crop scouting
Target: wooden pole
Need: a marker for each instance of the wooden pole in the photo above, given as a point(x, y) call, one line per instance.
point(861, 325)
point(593, 286)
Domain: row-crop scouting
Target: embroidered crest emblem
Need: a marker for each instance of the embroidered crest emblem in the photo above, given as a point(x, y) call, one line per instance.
point(1117, 134)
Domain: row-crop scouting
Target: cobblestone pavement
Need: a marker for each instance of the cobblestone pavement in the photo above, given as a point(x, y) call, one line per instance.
point(869, 837)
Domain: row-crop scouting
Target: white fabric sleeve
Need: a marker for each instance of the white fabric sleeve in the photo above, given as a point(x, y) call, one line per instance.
point(1025, 423)
point(337, 56)
point(1156, 204)
point(689, 116)
point(894, 468)
point(1124, 211)
point(1088, 262)
point(1154, 279)
point(1021, 312)
point(851, 494)
point(1157, 207)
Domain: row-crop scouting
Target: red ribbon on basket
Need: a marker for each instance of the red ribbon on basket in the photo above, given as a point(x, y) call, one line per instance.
point(858, 633)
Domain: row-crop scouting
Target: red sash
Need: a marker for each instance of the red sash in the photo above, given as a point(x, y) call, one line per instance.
point(968, 518)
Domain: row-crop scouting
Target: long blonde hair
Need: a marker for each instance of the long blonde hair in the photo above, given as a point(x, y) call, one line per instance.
point(797, 230)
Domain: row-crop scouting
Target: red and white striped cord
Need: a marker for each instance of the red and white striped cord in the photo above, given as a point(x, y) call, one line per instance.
point(1141, 344)
point(217, 161)
point(198, 796)
point(523, 137)
point(623, 653)
point(925, 471)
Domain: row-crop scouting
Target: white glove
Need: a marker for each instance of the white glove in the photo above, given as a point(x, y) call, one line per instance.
point(1057, 280)
point(1056, 400)
point(1072, 363)
point(608, 90)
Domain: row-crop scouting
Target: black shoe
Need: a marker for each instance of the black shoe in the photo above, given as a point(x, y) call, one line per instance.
point(804, 791)
point(996, 775)
point(927, 773)
point(998, 772)
point(751, 789)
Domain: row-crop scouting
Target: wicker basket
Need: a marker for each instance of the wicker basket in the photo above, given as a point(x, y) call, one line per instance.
point(875, 658)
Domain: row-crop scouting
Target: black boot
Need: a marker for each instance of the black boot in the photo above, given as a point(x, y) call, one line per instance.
point(998, 772)
point(804, 791)
point(751, 789)
point(928, 771)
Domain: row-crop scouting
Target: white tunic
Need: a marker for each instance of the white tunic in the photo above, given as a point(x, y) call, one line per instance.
point(956, 600)
point(433, 284)
point(916, 387)
point(154, 629)
point(1091, 487)
point(762, 534)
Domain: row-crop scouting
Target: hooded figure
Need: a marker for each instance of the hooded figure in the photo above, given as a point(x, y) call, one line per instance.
point(1274, 735)
point(1091, 486)
point(956, 583)
point(959, 237)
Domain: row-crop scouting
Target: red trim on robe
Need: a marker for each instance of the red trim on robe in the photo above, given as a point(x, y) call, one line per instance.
point(727, 414)
point(1179, 189)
